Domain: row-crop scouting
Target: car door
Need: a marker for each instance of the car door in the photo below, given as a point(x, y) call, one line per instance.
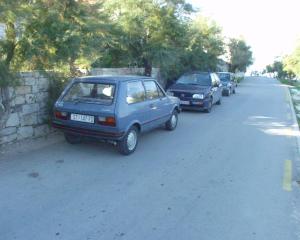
point(154, 103)
point(136, 108)
point(165, 106)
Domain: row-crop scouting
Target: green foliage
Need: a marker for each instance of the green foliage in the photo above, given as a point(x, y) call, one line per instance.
point(51, 35)
point(161, 34)
point(240, 55)
point(67, 35)
point(292, 62)
point(277, 67)
point(57, 83)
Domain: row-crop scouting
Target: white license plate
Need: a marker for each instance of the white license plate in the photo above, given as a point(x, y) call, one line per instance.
point(185, 102)
point(82, 118)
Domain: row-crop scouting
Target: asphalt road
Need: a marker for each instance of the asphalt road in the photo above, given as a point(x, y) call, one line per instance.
point(223, 175)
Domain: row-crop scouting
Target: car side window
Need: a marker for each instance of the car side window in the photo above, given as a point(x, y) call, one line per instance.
point(151, 90)
point(135, 92)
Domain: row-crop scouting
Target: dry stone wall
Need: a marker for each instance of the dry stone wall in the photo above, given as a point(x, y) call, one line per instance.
point(28, 109)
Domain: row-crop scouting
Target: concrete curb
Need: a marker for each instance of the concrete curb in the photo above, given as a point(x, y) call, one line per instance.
point(296, 128)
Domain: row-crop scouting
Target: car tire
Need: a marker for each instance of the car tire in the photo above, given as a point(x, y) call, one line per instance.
point(219, 102)
point(208, 109)
point(171, 124)
point(233, 91)
point(73, 139)
point(129, 143)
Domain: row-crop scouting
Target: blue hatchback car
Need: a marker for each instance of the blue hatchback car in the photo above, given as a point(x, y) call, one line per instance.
point(115, 109)
point(197, 90)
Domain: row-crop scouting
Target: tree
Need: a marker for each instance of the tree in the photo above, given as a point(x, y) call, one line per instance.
point(161, 34)
point(205, 45)
point(292, 62)
point(14, 15)
point(240, 55)
point(57, 34)
point(147, 36)
point(60, 33)
point(277, 67)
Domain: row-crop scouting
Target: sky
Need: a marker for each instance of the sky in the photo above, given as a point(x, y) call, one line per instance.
point(270, 27)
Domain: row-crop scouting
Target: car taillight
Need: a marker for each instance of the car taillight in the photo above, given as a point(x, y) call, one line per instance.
point(107, 121)
point(61, 115)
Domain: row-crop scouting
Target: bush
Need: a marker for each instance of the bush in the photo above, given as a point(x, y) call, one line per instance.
point(57, 83)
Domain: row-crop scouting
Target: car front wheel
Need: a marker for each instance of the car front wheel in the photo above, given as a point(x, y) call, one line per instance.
point(129, 143)
point(209, 107)
point(171, 124)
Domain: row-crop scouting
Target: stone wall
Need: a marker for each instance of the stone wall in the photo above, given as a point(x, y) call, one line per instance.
point(28, 111)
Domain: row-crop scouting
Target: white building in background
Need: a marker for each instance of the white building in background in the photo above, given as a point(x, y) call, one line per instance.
point(2, 30)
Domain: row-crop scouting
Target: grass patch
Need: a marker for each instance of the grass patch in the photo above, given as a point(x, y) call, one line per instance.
point(291, 83)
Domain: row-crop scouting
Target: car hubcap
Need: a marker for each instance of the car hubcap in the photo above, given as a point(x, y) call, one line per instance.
point(173, 120)
point(131, 140)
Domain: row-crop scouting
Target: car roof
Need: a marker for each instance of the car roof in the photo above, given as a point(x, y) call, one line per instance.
point(197, 72)
point(111, 79)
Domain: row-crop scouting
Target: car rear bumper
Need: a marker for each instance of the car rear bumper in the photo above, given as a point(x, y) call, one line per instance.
point(85, 132)
point(225, 90)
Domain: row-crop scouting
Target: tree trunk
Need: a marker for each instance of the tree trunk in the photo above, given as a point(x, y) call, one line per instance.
point(72, 67)
point(147, 67)
point(10, 43)
point(4, 106)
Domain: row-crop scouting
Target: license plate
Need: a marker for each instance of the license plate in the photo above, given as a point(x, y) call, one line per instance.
point(185, 102)
point(82, 118)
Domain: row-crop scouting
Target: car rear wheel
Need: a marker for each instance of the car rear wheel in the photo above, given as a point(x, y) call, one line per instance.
point(73, 139)
point(229, 92)
point(171, 124)
point(129, 143)
point(219, 102)
point(233, 91)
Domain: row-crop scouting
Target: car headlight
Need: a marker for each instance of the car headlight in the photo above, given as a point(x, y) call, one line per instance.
point(198, 96)
point(169, 93)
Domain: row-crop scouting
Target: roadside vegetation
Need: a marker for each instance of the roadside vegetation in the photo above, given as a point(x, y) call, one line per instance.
point(67, 35)
point(287, 71)
point(66, 38)
point(287, 68)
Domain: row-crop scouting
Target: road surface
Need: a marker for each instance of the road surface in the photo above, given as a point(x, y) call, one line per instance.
point(223, 175)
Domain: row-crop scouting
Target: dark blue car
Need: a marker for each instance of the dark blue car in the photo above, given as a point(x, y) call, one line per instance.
point(228, 83)
point(197, 91)
point(115, 109)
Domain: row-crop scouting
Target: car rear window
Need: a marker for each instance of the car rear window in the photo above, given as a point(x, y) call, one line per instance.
point(225, 77)
point(202, 79)
point(101, 93)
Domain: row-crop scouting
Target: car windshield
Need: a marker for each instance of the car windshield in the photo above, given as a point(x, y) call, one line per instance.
point(224, 77)
point(202, 79)
point(102, 93)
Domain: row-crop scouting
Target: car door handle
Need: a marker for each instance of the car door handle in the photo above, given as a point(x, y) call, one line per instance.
point(152, 106)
